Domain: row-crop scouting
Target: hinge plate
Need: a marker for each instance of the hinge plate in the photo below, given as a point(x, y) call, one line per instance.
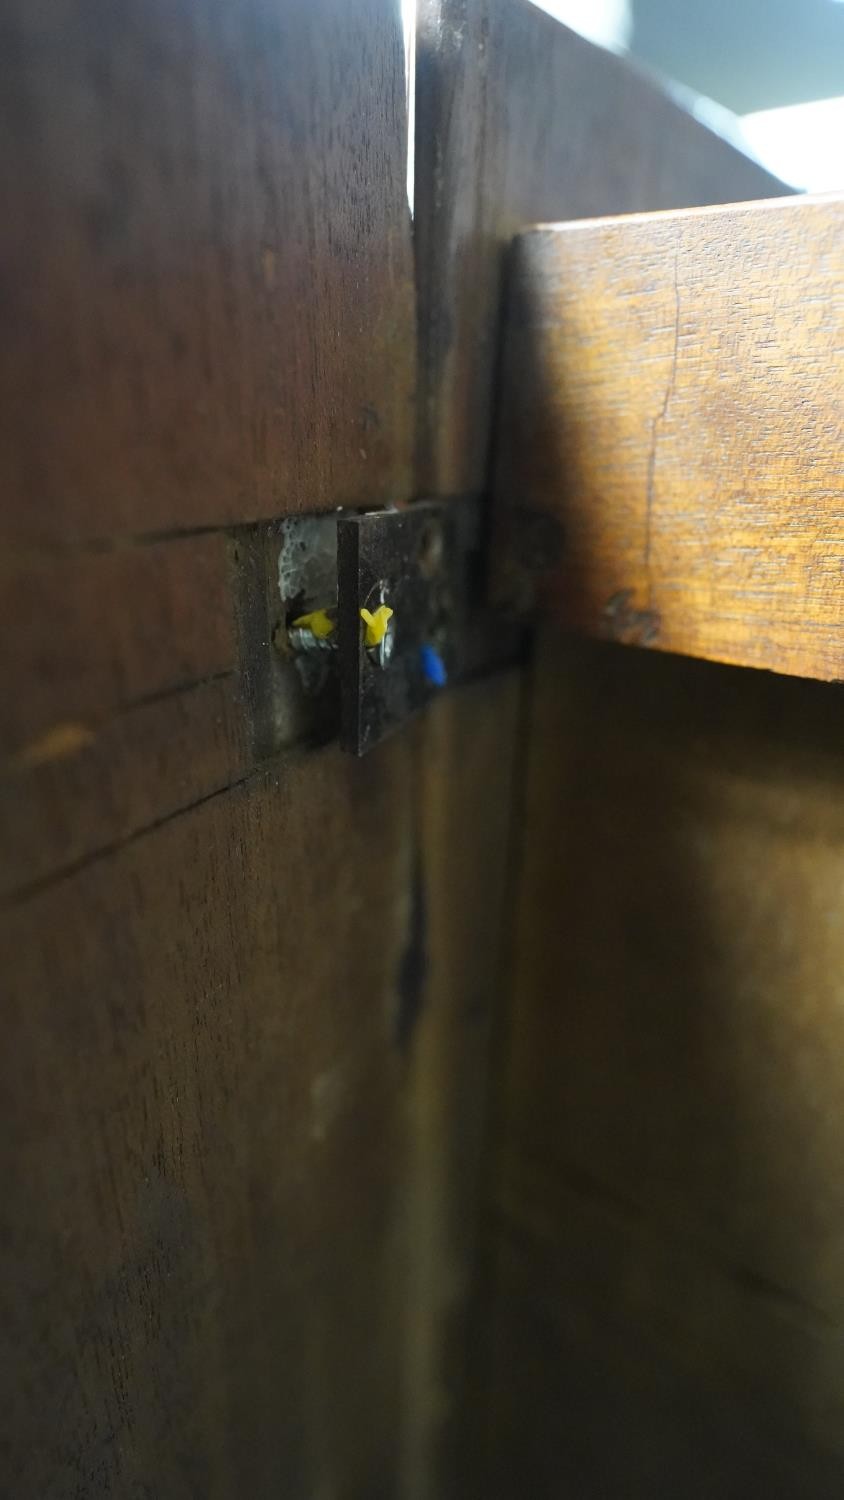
point(426, 563)
point(309, 580)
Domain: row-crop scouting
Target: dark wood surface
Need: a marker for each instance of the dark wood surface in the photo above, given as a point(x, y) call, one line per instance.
point(239, 1088)
point(118, 674)
point(245, 1019)
point(666, 1224)
point(672, 423)
point(658, 1309)
point(91, 634)
point(206, 264)
point(520, 121)
point(468, 767)
point(248, 994)
point(203, 1150)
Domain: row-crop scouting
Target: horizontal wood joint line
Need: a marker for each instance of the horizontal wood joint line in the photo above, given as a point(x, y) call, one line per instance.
point(93, 856)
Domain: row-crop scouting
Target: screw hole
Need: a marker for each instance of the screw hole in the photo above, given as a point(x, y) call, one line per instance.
point(430, 551)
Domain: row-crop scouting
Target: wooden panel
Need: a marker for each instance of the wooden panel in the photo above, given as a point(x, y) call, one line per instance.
point(692, 1058)
point(667, 1221)
point(520, 121)
point(466, 765)
point(203, 1139)
point(239, 1159)
point(247, 1001)
point(223, 1171)
point(206, 275)
point(91, 634)
point(626, 1364)
point(671, 442)
point(122, 705)
point(656, 1309)
point(93, 790)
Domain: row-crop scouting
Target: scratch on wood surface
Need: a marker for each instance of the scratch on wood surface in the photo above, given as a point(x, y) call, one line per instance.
point(660, 417)
point(33, 888)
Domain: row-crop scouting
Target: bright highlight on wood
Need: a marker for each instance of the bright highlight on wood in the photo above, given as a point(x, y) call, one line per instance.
point(671, 460)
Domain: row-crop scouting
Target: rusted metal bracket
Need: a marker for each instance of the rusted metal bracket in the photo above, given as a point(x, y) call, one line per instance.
point(370, 615)
point(426, 564)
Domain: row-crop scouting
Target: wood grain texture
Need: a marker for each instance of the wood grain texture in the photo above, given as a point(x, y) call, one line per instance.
point(95, 791)
point(206, 272)
point(246, 995)
point(467, 766)
point(657, 1306)
point(87, 635)
point(672, 424)
point(243, 1106)
point(625, 1364)
point(666, 1227)
point(518, 120)
point(207, 317)
point(203, 1148)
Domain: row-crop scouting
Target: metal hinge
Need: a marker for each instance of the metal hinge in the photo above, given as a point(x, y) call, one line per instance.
point(367, 616)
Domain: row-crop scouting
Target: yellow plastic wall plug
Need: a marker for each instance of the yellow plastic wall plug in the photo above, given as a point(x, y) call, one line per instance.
point(376, 624)
point(318, 622)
